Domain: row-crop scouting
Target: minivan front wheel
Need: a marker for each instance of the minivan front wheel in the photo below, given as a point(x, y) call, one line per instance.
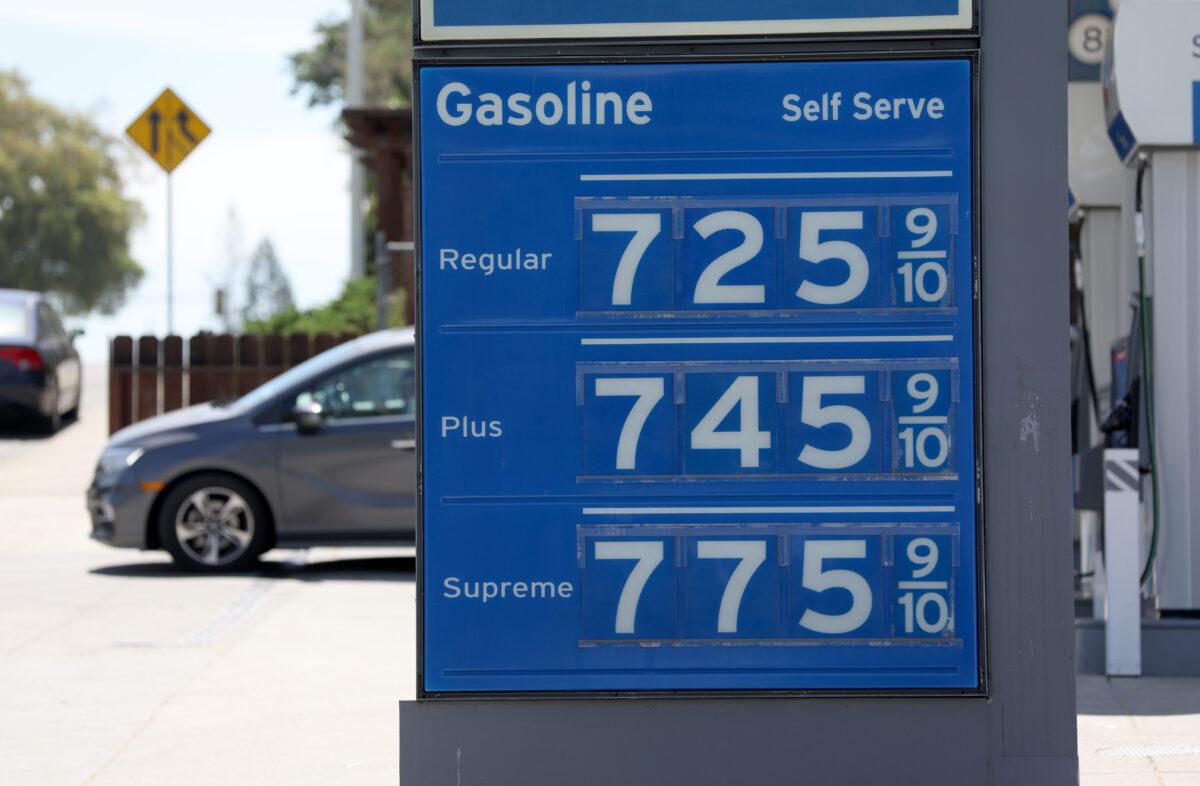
point(213, 523)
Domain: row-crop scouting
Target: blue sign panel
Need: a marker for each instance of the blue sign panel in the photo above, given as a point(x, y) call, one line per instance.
point(443, 20)
point(698, 377)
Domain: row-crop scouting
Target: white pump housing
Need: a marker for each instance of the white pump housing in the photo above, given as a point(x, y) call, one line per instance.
point(1152, 76)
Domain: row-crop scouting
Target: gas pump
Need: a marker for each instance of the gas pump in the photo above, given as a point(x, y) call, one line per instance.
point(1100, 276)
point(1147, 574)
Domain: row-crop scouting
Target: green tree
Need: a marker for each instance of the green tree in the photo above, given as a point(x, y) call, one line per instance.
point(387, 58)
point(353, 311)
point(64, 220)
point(268, 291)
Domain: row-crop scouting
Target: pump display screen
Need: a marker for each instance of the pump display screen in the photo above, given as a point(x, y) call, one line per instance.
point(698, 378)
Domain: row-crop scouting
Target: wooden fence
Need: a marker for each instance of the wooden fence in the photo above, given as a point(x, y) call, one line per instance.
point(148, 376)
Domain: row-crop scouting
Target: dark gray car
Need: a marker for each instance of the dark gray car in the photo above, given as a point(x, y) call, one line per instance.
point(39, 367)
point(322, 454)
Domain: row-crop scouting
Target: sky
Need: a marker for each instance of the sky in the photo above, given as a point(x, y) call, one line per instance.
point(279, 165)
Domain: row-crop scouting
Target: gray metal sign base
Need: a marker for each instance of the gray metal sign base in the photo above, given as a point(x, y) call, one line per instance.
point(1169, 647)
point(723, 743)
point(1023, 733)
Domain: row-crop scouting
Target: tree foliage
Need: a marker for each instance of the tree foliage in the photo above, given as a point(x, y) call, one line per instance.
point(64, 220)
point(268, 291)
point(320, 71)
point(354, 311)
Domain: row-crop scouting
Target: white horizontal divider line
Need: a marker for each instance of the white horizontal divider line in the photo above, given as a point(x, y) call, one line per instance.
point(765, 509)
point(933, 585)
point(879, 175)
point(923, 419)
point(919, 254)
point(634, 340)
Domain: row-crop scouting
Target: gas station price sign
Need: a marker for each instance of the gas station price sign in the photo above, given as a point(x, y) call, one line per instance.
point(698, 378)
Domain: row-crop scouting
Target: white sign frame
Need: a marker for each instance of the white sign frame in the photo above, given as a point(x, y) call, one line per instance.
point(964, 20)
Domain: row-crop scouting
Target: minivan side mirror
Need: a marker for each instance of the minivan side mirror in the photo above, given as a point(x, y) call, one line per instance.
point(309, 417)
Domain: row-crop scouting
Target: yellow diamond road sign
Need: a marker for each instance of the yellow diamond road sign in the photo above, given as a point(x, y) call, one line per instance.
point(168, 130)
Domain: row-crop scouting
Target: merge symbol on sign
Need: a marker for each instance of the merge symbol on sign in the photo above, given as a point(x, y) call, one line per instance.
point(168, 130)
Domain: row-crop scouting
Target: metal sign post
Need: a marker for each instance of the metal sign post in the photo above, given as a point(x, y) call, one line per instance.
point(170, 257)
point(168, 130)
point(722, 447)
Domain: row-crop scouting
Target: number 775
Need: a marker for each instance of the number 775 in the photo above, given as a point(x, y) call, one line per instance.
point(647, 555)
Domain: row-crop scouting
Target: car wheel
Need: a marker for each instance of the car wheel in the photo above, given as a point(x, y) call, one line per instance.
point(213, 523)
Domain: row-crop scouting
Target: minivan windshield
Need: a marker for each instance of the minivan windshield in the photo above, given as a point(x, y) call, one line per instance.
point(13, 319)
point(313, 367)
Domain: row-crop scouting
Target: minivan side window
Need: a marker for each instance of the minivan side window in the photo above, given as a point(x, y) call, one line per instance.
point(381, 387)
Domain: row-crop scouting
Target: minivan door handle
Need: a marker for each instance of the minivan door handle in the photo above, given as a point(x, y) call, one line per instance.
point(404, 444)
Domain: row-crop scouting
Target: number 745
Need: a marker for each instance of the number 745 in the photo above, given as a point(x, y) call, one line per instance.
point(748, 440)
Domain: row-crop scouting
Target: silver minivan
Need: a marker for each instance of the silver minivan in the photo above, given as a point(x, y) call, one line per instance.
point(323, 454)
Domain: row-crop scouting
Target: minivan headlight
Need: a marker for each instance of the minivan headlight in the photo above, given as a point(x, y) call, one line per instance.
point(114, 460)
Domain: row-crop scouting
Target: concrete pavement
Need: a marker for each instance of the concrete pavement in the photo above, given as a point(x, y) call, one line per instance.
point(1142, 731)
point(116, 669)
